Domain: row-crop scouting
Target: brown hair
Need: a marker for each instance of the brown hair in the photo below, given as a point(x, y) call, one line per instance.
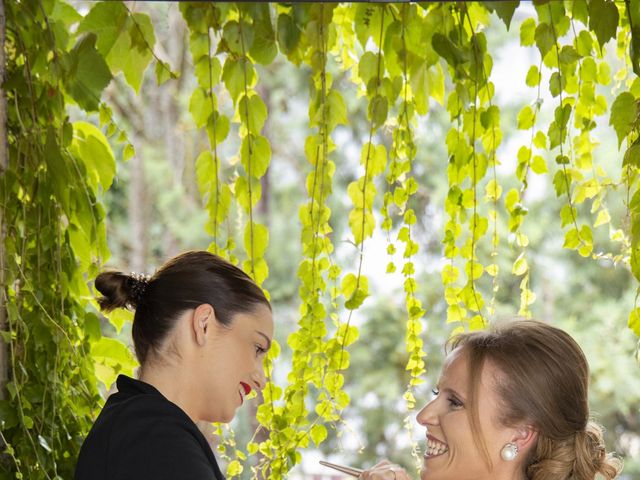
point(543, 381)
point(184, 282)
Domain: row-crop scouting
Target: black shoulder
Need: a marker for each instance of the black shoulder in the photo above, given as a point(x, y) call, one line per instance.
point(153, 438)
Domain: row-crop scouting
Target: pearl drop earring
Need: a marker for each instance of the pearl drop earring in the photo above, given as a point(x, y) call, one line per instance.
point(509, 452)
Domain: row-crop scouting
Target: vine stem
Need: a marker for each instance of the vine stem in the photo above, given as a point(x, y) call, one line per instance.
point(320, 162)
point(364, 189)
point(4, 163)
point(564, 167)
point(215, 144)
point(474, 157)
point(149, 47)
point(249, 145)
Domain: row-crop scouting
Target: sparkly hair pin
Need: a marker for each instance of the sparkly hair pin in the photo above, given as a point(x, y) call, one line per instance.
point(139, 282)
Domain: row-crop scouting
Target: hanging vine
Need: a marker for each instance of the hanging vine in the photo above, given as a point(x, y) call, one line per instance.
point(55, 237)
point(402, 186)
point(204, 22)
point(398, 57)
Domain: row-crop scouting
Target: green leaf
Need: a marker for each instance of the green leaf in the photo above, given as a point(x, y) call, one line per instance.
point(91, 147)
point(540, 140)
point(589, 70)
point(355, 301)
point(234, 468)
point(603, 20)
point(623, 114)
point(233, 75)
point(336, 110)
point(107, 20)
point(128, 152)
point(288, 34)
point(571, 239)
point(92, 326)
point(568, 55)
point(448, 50)
point(208, 70)
point(255, 149)
point(378, 110)
point(504, 10)
point(544, 38)
point(634, 321)
point(264, 48)
point(238, 37)
point(348, 285)
point(200, 106)
point(133, 49)
point(632, 155)
point(634, 49)
point(241, 190)
point(163, 72)
point(533, 76)
point(538, 165)
point(520, 266)
point(526, 117)
point(604, 73)
point(256, 239)
point(112, 357)
point(603, 218)
point(318, 433)
point(493, 191)
point(119, 317)
point(218, 126)
point(252, 112)
point(584, 44)
point(455, 313)
point(375, 157)
point(368, 67)
point(449, 274)
point(88, 74)
point(557, 83)
point(527, 32)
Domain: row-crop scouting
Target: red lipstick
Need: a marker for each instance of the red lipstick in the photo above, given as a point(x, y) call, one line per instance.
point(246, 387)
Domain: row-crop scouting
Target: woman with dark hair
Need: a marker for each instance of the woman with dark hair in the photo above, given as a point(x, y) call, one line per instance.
point(200, 331)
point(512, 404)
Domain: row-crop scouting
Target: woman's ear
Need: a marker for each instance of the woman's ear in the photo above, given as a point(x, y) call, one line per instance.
point(525, 437)
point(202, 321)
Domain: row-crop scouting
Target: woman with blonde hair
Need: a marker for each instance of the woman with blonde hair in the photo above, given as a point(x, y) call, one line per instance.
point(512, 404)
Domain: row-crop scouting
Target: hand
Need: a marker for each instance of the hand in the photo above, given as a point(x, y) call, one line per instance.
point(385, 470)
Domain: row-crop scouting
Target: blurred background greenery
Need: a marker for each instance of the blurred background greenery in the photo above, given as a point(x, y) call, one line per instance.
point(155, 212)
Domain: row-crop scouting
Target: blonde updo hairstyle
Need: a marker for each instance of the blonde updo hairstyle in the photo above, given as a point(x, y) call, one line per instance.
point(543, 381)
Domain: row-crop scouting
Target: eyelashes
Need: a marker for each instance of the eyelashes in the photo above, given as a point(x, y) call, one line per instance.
point(453, 401)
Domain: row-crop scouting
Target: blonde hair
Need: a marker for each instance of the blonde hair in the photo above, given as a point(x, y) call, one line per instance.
point(543, 381)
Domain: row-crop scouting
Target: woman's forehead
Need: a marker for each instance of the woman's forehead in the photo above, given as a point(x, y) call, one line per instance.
point(456, 372)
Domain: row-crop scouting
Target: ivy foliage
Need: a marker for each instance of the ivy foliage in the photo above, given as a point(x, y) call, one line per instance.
point(403, 59)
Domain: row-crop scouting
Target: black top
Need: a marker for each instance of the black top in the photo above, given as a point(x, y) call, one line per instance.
point(141, 435)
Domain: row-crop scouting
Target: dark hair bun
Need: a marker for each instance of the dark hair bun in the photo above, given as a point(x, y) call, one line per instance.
point(119, 290)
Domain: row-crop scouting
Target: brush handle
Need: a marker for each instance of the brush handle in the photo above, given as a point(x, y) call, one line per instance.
point(354, 472)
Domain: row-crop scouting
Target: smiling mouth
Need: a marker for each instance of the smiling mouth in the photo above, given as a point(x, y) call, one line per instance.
point(435, 448)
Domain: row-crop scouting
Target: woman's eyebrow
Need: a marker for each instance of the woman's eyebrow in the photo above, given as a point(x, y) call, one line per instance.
point(265, 337)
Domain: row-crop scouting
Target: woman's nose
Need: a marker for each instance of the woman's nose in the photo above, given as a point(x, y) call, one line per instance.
point(428, 414)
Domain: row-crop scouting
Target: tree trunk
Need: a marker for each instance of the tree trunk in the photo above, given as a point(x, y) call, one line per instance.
point(138, 217)
point(4, 161)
